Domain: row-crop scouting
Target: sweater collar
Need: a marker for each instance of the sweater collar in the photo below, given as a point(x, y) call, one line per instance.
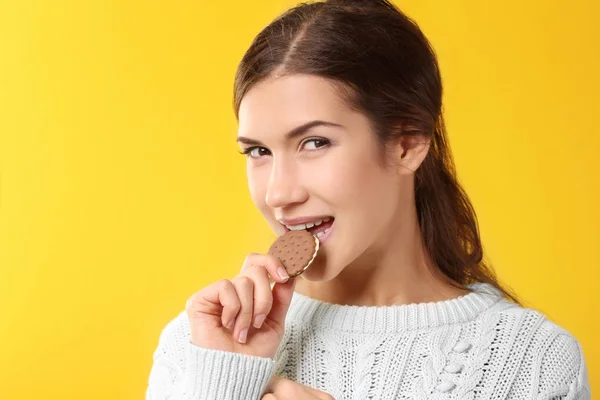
point(395, 318)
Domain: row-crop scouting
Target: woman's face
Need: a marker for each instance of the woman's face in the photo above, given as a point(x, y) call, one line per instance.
point(332, 169)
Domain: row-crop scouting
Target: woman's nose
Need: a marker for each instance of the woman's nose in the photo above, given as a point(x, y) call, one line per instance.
point(284, 188)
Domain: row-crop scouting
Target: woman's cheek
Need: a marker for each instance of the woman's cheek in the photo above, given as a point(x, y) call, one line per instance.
point(335, 174)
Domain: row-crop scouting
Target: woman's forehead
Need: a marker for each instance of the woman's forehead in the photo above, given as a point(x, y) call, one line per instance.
point(282, 104)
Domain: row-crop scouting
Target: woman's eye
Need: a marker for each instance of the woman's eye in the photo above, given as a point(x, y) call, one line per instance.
point(310, 145)
point(256, 152)
point(314, 144)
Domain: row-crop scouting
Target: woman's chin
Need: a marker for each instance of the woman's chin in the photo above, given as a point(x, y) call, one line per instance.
point(320, 270)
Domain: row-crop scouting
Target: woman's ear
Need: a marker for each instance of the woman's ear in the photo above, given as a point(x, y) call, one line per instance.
point(410, 152)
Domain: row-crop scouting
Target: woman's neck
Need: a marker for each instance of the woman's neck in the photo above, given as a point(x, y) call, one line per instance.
point(371, 289)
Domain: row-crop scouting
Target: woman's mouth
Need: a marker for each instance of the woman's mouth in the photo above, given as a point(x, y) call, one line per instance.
point(319, 228)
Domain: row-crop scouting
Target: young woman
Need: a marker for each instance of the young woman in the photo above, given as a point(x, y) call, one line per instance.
point(339, 106)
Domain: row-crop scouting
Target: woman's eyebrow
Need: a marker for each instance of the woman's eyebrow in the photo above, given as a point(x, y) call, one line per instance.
point(291, 134)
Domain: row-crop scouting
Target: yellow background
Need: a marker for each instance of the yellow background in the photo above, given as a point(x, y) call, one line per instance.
point(122, 192)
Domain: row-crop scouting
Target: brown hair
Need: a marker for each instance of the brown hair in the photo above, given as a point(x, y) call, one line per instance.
point(386, 68)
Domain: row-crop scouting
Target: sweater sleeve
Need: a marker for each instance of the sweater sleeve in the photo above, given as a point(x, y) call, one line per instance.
point(183, 371)
point(563, 373)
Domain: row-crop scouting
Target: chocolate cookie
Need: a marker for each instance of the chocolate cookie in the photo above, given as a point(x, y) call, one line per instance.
point(296, 250)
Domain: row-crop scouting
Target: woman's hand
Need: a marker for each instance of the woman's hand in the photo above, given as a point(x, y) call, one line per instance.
point(285, 389)
point(243, 315)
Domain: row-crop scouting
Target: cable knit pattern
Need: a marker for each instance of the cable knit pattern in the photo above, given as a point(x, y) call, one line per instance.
point(477, 346)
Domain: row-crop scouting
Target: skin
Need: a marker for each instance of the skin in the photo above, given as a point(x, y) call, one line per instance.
point(374, 255)
point(282, 389)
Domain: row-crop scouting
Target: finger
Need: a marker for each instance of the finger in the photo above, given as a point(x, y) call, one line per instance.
point(269, 396)
point(282, 298)
point(317, 394)
point(271, 263)
point(286, 389)
point(244, 286)
point(263, 297)
point(218, 299)
point(273, 383)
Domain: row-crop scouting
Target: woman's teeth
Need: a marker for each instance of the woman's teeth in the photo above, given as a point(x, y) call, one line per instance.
point(321, 234)
point(309, 225)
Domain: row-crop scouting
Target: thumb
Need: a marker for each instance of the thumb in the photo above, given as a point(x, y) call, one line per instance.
point(282, 298)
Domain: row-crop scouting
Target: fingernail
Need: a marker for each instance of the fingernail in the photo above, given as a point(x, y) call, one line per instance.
point(258, 321)
point(283, 273)
point(230, 324)
point(243, 334)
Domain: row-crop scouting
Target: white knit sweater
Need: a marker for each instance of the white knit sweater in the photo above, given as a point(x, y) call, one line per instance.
point(477, 346)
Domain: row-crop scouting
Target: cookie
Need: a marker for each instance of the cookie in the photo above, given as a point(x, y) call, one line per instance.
point(296, 250)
